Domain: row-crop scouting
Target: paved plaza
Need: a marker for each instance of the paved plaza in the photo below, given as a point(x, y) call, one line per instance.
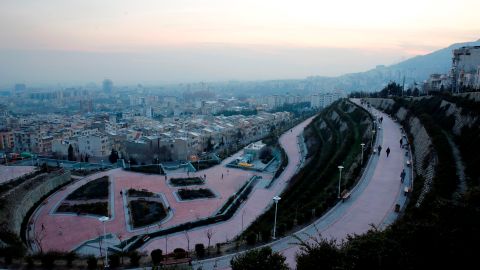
point(371, 202)
point(68, 231)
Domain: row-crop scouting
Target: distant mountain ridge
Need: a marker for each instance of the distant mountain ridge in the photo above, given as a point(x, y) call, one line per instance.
point(416, 69)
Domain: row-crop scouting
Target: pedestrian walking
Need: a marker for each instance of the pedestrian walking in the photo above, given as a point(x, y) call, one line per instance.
point(401, 142)
point(402, 176)
point(379, 149)
point(388, 151)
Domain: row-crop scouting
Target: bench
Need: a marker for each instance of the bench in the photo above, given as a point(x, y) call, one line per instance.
point(406, 190)
point(145, 238)
point(345, 195)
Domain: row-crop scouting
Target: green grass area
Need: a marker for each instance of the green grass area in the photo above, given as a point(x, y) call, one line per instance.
point(146, 212)
point(150, 169)
point(97, 208)
point(314, 189)
point(189, 181)
point(192, 194)
point(95, 189)
point(140, 193)
point(202, 165)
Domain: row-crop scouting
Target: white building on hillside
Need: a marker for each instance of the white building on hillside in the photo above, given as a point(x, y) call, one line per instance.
point(95, 145)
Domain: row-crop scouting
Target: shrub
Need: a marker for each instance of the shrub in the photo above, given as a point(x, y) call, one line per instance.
point(96, 208)
point(48, 259)
point(262, 258)
point(96, 189)
point(186, 181)
point(134, 258)
point(179, 253)
point(200, 250)
point(30, 262)
point(251, 239)
point(69, 257)
point(266, 235)
point(114, 260)
point(92, 262)
point(146, 212)
point(157, 255)
point(191, 194)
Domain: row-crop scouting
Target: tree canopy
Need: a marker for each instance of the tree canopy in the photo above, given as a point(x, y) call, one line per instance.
point(255, 259)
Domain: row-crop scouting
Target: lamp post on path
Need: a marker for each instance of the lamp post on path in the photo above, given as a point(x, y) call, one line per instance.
point(242, 217)
point(339, 179)
point(103, 220)
point(363, 145)
point(275, 199)
point(373, 134)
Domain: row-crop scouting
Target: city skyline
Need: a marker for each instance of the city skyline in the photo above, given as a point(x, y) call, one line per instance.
point(185, 41)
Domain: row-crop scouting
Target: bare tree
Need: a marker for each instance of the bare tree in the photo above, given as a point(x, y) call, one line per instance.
point(38, 238)
point(100, 242)
point(209, 233)
point(188, 240)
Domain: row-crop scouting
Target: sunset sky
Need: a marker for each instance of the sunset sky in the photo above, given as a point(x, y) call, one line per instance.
point(188, 35)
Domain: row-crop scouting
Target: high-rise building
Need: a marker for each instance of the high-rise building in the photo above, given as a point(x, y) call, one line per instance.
point(107, 86)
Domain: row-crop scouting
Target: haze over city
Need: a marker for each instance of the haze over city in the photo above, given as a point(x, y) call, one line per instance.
point(186, 41)
point(239, 135)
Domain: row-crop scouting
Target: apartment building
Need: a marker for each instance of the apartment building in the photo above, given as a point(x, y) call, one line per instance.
point(95, 145)
point(7, 141)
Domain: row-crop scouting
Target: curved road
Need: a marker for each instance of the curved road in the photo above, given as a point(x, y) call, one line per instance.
point(259, 200)
point(371, 203)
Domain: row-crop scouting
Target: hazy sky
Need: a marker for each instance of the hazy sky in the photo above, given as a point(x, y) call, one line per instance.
point(65, 41)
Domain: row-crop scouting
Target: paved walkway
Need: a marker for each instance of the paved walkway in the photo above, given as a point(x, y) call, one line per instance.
point(372, 201)
point(259, 201)
point(65, 232)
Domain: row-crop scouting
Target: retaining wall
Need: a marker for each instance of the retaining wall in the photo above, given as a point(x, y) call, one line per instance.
point(22, 203)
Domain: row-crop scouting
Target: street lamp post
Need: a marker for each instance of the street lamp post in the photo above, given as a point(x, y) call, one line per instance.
point(275, 199)
point(242, 217)
point(339, 180)
point(363, 145)
point(371, 142)
point(104, 220)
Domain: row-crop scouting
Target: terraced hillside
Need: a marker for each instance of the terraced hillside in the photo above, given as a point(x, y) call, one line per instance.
point(440, 228)
point(333, 138)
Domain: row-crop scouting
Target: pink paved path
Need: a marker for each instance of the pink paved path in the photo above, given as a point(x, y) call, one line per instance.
point(11, 172)
point(379, 197)
point(66, 232)
point(256, 204)
point(370, 203)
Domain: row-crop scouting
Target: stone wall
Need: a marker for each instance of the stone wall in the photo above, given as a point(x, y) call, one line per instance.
point(424, 156)
point(381, 103)
point(22, 203)
point(471, 95)
point(401, 114)
point(460, 120)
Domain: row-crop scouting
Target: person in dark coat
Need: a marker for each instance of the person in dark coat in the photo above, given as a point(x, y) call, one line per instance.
point(402, 176)
point(379, 149)
point(388, 151)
